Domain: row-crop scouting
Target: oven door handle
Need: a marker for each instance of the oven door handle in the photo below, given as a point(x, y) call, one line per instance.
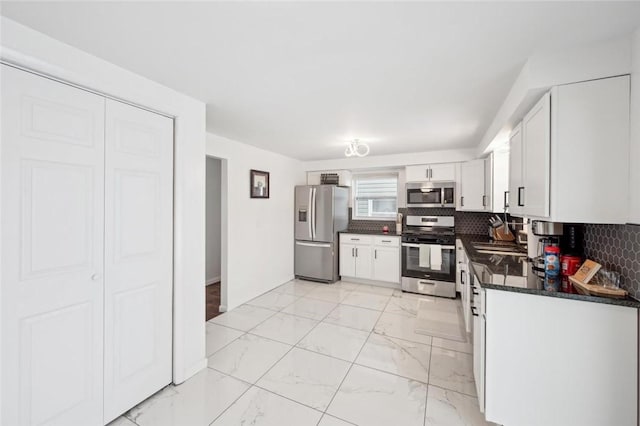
point(418, 246)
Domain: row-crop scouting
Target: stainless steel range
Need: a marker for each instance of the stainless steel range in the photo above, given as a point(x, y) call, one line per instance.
point(429, 256)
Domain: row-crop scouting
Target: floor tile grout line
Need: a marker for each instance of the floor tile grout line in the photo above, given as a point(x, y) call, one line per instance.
point(286, 353)
point(354, 360)
point(231, 405)
point(426, 398)
point(323, 320)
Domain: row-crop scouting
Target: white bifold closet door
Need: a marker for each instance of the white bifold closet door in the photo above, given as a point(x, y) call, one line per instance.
point(52, 157)
point(138, 256)
point(86, 260)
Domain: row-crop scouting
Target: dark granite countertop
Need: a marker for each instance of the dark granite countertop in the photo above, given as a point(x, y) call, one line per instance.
point(370, 232)
point(516, 274)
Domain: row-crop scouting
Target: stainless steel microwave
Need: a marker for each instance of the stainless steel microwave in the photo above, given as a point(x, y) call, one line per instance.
point(431, 194)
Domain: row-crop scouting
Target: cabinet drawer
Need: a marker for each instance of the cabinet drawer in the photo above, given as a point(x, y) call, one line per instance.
point(355, 239)
point(387, 241)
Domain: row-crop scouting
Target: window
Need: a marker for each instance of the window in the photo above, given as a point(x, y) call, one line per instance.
point(375, 197)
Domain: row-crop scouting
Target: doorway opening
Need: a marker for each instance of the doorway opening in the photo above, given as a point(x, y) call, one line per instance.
point(213, 237)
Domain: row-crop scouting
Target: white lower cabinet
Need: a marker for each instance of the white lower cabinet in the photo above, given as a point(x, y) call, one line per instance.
point(386, 266)
point(556, 361)
point(479, 335)
point(370, 258)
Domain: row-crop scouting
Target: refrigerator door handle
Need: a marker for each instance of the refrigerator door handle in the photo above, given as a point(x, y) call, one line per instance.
point(310, 218)
point(325, 245)
point(313, 214)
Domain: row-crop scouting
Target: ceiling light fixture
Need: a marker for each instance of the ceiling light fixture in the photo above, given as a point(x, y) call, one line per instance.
point(357, 148)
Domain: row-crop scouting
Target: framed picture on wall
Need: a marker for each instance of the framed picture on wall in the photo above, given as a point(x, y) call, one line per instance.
point(259, 181)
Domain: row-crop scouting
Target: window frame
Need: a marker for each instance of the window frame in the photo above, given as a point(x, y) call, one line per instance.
point(354, 197)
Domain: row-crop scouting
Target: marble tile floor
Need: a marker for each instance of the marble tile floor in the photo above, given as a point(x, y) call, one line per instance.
point(325, 354)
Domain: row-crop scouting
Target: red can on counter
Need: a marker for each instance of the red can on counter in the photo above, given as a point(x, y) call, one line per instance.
point(570, 264)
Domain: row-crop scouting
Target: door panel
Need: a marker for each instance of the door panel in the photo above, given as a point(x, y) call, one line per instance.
point(364, 262)
point(515, 171)
point(314, 260)
point(303, 213)
point(472, 185)
point(386, 264)
point(324, 214)
point(442, 172)
point(138, 255)
point(52, 168)
point(347, 260)
point(536, 130)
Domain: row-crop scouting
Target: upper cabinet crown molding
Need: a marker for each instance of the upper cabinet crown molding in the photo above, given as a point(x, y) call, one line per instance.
point(573, 162)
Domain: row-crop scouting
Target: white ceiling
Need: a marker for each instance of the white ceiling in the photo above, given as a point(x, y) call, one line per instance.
point(303, 78)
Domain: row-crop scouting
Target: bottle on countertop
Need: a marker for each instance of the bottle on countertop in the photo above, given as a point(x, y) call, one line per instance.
point(552, 261)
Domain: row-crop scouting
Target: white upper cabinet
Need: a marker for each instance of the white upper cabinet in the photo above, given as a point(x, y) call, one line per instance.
point(487, 198)
point(516, 186)
point(574, 160)
point(499, 180)
point(536, 133)
point(472, 188)
point(443, 172)
point(431, 172)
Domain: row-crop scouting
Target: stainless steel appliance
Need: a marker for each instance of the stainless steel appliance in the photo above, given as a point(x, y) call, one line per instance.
point(541, 234)
point(431, 194)
point(429, 256)
point(321, 212)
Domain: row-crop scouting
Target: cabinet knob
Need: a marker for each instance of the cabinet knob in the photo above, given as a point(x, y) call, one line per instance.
point(95, 277)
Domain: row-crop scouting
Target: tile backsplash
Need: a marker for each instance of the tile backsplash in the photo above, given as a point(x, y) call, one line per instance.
point(617, 248)
point(466, 222)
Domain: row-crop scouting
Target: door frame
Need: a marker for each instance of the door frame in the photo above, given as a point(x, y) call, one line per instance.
point(29, 50)
point(224, 229)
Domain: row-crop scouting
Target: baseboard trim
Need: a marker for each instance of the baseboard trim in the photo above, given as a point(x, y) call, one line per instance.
point(213, 281)
point(222, 308)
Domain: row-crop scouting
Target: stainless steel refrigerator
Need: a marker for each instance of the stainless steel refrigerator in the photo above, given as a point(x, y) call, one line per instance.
point(321, 212)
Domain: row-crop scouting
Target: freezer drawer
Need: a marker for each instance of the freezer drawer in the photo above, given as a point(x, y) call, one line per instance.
point(315, 261)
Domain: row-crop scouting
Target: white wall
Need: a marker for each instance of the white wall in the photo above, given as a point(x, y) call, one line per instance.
point(213, 221)
point(634, 216)
point(389, 161)
point(542, 71)
point(36, 51)
point(259, 232)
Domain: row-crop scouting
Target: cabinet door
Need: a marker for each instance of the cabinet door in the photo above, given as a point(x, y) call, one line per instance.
point(138, 256)
point(364, 262)
point(52, 230)
point(347, 260)
point(487, 200)
point(417, 173)
point(472, 185)
point(500, 180)
point(386, 264)
point(536, 133)
point(516, 186)
point(443, 172)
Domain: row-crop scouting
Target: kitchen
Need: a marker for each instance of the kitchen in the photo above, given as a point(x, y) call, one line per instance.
point(422, 194)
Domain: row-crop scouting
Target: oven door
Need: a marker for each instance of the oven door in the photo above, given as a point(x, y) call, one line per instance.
point(413, 268)
point(424, 197)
